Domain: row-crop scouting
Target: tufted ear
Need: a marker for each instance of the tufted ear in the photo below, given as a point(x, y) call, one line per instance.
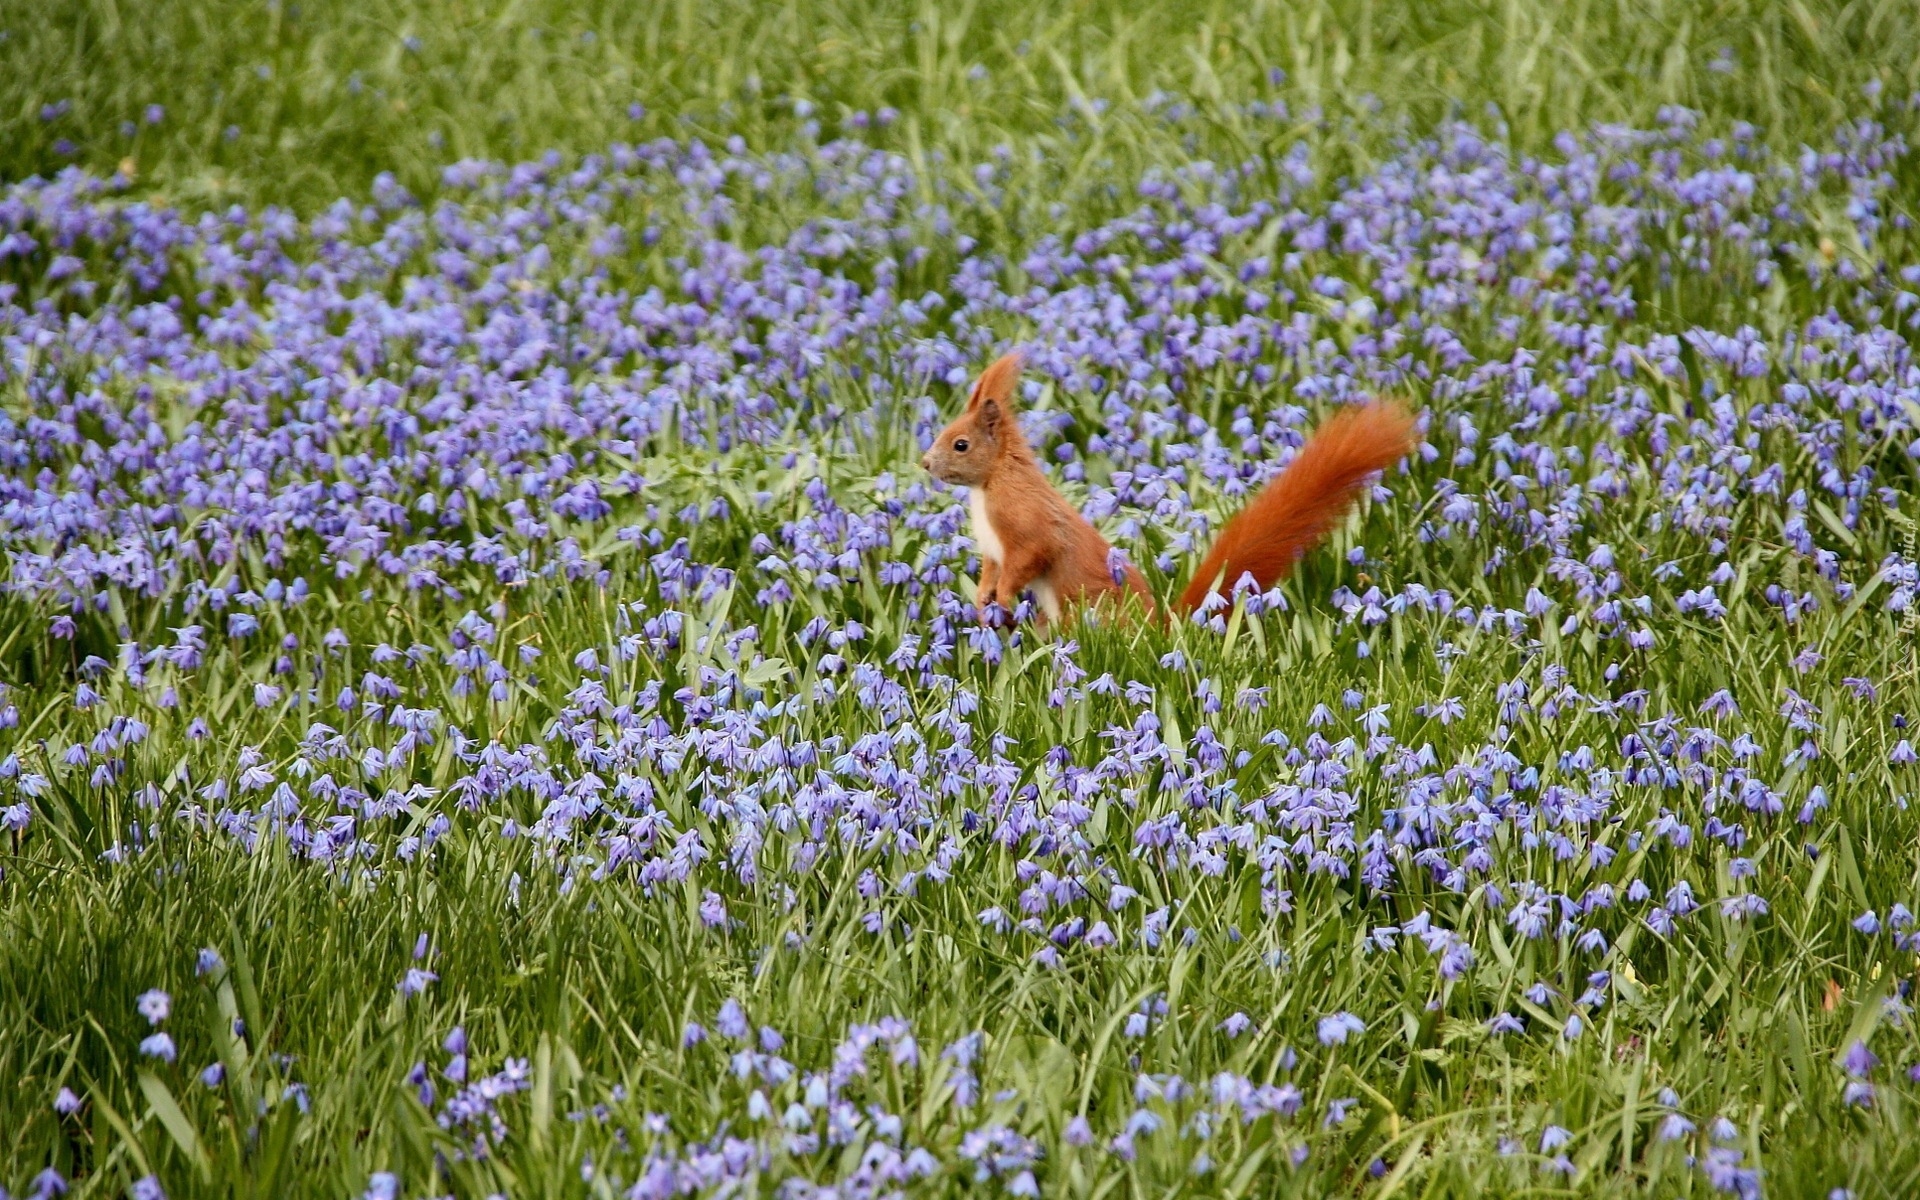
point(987, 417)
point(996, 383)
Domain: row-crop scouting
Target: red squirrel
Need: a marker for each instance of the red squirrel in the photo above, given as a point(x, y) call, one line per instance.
point(1030, 537)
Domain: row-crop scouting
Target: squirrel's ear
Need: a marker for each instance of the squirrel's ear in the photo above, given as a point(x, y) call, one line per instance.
point(987, 417)
point(996, 383)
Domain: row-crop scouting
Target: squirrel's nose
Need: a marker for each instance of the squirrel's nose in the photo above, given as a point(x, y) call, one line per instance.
point(926, 462)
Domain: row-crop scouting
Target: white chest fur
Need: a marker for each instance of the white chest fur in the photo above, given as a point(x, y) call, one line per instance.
point(984, 537)
point(988, 542)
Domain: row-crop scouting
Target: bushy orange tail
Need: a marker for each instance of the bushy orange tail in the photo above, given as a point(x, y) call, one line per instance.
point(1305, 501)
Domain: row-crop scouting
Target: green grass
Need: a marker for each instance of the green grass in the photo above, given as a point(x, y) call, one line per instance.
point(593, 983)
point(270, 101)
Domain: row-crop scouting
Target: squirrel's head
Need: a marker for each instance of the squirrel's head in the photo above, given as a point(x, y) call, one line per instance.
point(965, 452)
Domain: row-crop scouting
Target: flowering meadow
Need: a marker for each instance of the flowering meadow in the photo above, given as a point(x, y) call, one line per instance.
point(493, 708)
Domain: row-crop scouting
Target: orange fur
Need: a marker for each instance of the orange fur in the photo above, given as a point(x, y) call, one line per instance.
point(1304, 502)
point(1029, 536)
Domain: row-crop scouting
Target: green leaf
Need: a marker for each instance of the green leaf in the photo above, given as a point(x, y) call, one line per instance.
point(176, 1123)
point(543, 1088)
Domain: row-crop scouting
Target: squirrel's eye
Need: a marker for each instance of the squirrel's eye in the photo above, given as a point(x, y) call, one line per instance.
point(959, 445)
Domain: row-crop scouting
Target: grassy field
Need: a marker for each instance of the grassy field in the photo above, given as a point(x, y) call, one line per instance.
point(492, 706)
point(302, 103)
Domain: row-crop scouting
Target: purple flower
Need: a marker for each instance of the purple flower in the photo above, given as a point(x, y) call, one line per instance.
point(154, 1005)
point(1720, 704)
point(65, 1102)
point(416, 980)
point(1335, 1029)
point(382, 1185)
point(906, 1052)
point(158, 1045)
point(732, 1021)
point(1674, 1127)
point(1859, 1060)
